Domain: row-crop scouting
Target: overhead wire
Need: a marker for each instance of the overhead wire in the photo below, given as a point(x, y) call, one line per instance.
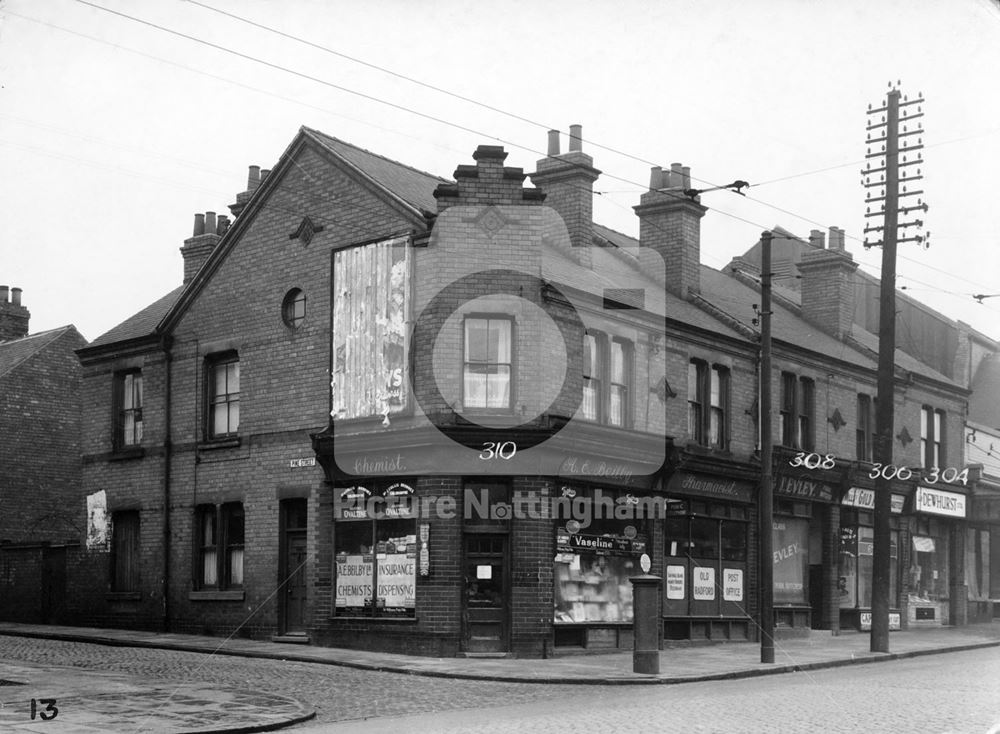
point(417, 112)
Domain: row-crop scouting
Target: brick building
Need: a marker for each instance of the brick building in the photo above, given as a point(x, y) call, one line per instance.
point(39, 463)
point(394, 411)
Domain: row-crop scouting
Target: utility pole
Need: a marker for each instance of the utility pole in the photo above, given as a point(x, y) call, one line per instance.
point(766, 504)
point(889, 183)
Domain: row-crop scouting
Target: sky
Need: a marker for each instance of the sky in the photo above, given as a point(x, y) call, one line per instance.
point(115, 130)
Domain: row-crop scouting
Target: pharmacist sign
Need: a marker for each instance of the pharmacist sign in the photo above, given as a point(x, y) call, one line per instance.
point(939, 502)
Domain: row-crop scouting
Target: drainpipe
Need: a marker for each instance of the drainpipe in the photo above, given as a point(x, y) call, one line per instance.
point(166, 343)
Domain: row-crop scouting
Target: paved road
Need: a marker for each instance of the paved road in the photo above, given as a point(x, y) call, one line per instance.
point(952, 693)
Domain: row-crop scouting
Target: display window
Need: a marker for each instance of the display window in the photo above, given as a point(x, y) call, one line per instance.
point(705, 554)
point(929, 569)
point(592, 570)
point(856, 566)
point(375, 551)
point(790, 550)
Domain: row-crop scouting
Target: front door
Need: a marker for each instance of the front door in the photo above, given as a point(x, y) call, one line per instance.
point(486, 594)
point(293, 572)
point(54, 585)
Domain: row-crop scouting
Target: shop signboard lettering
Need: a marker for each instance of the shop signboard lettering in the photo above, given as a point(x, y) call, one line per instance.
point(790, 557)
point(864, 499)
point(939, 502)
point(732, 589)
point(601, 544)
point(397, 580)
point(708, 486)
point(675, 582)
point(704, 583)
point(354, 581)
point(803, 488)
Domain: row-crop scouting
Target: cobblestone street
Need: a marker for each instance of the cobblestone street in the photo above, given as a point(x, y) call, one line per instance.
point(335, 692)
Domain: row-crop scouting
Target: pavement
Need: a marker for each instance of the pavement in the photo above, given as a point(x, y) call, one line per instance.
point(91, 701)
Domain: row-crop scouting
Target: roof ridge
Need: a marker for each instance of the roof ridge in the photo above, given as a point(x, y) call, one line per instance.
point(50, 334)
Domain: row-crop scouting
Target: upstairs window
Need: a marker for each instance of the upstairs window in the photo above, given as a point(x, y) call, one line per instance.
point(488, 362)
point(620, 383)
point(932, 424)
point(866, 428)
point(798, 412)
point(128, 409)
point(223, 395)
point(708, 404)
point(593, 372)
point(220, 546)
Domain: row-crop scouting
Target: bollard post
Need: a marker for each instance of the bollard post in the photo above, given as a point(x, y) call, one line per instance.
point(646, 623)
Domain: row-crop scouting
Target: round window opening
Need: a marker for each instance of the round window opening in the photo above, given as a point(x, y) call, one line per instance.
point(293, 308)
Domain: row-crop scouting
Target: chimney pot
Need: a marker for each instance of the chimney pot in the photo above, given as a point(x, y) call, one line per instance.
point(553, 142)
point(253, 180)
point(836, 238)
point(576, 138)
point(210, 224)
point(4, 290)
point(199, 224)
point(223, 226)
point(817, 239)
point(655, 178)
point(686, 177)
point(15, 296)
point(264, 173)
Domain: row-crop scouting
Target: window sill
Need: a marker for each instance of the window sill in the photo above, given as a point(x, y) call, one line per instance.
point(126, 454)
point(213, 595)
point(380, 620)
point(219, 443)
point(123, 596)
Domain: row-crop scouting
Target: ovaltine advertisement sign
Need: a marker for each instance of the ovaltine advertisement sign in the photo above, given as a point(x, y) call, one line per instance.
point(939, 502)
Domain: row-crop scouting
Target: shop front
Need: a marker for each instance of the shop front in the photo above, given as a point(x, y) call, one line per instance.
point(856, 558)
point(707, 538)
point(936, 574)
point(600, 536)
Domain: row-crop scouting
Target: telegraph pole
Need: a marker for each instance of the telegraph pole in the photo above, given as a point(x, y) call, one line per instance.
point(889, 182)
point(765, 524)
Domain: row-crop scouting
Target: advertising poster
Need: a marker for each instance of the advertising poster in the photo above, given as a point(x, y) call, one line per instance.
point(675, 582)
point(354, 582)
point(704, 583)
point(98, 532)
point(397, 582)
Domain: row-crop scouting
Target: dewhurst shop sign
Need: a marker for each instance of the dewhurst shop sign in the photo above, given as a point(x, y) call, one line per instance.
point(939, 502)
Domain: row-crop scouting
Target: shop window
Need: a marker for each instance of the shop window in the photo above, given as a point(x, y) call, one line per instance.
point(125, 551)
point(220, 546)
point(977, 563)
point(790, 550)
point(593, 565)
point(488, 362)
point(865, 449)
point(375, 551)
point(708, 404)
point(798, 411)
point(223, 378)
point(929, 566)
point(932, 424)
point(705, 562)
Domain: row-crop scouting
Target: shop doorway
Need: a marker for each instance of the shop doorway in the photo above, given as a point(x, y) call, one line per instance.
point(54, 584)
point(293, 566)
point(485, 614)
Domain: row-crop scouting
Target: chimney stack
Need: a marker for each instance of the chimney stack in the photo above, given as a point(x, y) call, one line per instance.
point(13, 316)
point(568, 182)
point(818, 240)
point(670, 223)
point(254, 180)
point(828, 286)
point(207, 233)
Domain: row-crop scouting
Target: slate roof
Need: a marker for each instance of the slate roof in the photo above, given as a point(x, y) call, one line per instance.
point(141, 324)
point(413, 186)
point(16, 351)
point(984, 408)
